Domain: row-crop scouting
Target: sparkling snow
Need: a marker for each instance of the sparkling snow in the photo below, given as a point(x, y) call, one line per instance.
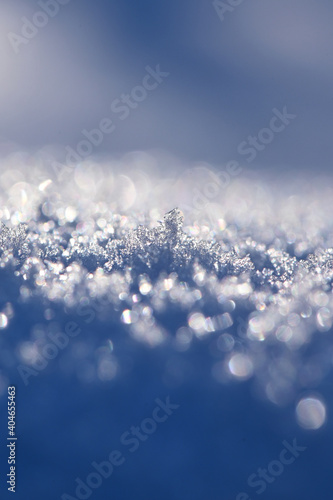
point(246, 276)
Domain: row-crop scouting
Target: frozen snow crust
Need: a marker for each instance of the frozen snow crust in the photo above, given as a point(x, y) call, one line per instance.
point(244, 276)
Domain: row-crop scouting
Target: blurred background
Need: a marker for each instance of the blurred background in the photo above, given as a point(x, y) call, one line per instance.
point(227, 71)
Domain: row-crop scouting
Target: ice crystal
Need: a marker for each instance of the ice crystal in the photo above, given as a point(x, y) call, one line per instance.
point(13, 239)
point(169, 249)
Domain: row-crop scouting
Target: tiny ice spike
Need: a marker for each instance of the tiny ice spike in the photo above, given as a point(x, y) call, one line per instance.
point(173, 222)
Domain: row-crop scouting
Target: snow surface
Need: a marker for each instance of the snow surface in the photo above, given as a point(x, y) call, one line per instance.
point(250, 272)
point(171, 279)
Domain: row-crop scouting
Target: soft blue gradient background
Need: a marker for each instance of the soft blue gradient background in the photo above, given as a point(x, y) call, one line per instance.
point(225, 77)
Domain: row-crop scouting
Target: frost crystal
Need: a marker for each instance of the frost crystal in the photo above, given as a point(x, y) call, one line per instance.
point(168, 248)
point(13, 240)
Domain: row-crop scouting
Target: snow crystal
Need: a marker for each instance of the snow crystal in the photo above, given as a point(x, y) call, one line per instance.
point(13, 239)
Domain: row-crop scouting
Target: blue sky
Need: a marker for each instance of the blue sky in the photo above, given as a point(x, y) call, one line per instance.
point(226, 76)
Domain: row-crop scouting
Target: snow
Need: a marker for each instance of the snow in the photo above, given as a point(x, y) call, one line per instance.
point(250, 272)
point(131, 280)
